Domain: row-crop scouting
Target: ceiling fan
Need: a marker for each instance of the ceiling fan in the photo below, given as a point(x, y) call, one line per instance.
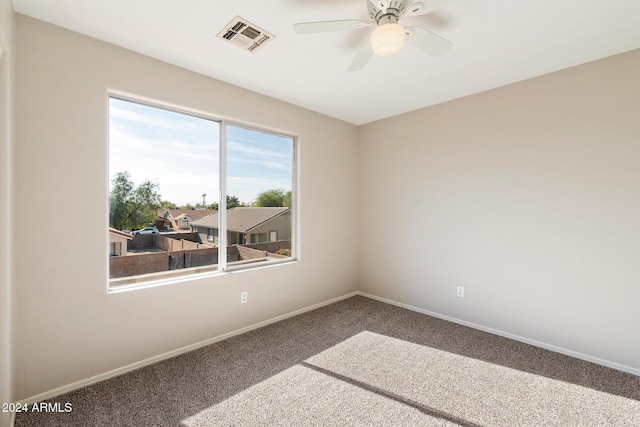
point(389, 37)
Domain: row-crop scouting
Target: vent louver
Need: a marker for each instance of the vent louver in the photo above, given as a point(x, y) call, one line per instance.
point(244, 34)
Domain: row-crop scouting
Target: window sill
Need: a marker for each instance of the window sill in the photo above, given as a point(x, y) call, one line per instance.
point(164, 278)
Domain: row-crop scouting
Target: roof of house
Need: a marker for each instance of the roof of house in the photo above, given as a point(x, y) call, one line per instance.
point(120, 233)
point(193, 213)
point(242, 219)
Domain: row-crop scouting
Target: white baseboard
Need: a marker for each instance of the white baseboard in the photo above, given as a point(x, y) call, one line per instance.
point(133, 366)
point(155, 359)
point(514, 337)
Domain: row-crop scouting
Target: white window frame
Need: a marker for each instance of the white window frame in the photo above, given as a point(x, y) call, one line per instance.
point(173, 276)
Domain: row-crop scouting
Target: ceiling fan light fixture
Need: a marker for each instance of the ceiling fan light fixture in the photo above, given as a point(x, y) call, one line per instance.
point(387, 39)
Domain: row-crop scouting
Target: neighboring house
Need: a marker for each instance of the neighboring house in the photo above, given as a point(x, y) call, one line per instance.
point(247, 225)
point(181, 219)
point(118, 242)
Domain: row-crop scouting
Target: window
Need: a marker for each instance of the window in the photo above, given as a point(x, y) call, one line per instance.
point(163, 159)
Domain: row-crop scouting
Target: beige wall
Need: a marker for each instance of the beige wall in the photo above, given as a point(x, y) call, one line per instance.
point(67, 327)
point(526, 195)
point(6, 156)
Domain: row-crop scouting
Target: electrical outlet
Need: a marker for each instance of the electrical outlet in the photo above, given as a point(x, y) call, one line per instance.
point(243, 297)
point(460, 291)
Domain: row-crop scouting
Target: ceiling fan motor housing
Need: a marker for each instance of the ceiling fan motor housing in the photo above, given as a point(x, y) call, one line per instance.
point(388, 12)
point(388, 18)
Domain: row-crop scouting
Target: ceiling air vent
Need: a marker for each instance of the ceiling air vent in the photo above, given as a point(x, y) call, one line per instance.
point(244, 34)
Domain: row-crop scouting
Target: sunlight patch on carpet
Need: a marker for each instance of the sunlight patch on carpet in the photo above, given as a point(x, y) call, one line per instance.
point(300, 396)
point(373, 379)
point(480, 392)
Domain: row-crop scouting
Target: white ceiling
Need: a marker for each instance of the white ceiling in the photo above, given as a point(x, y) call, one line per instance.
point(496, 42)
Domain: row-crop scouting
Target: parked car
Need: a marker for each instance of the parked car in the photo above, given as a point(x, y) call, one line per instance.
point(147, 230)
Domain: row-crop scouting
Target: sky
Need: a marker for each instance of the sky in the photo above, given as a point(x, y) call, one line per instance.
point(180, 153)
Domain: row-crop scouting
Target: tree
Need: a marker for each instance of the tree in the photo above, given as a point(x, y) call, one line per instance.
point(273, 198)
point(132, 207)
point(165, 204)
point(287, 199)
point(232, 202)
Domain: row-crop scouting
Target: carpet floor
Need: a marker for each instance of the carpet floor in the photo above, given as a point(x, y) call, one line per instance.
point(357, 362)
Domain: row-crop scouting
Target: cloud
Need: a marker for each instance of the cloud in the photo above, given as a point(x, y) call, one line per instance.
point(282, 166)
point(244, 148)
point(181, 153)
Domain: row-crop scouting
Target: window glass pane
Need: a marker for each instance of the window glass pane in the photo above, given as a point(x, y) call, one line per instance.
point(162, 164)
point(259, 195)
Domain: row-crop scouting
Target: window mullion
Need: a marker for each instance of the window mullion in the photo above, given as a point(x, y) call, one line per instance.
point(222, 202)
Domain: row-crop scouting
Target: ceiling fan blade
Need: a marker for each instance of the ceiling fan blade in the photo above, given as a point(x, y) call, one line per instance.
point(362, 58)
point(422, 7)
point(326, 26)
point(427, 41)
